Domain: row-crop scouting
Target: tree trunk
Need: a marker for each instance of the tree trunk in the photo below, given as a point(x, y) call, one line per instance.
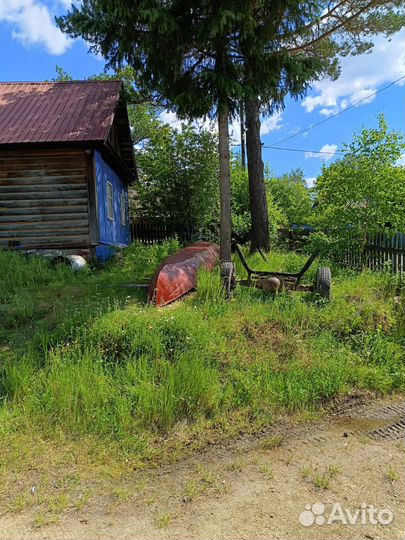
point(224, 182)
point(260, 236)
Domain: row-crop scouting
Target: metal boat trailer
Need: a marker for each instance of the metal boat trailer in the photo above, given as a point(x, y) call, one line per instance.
point(277, 281)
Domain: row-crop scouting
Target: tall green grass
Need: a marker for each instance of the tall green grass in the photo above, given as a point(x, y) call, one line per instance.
point(112, 367)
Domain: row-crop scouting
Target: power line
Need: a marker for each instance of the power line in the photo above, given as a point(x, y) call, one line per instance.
point(340, 112)
point(306, 151)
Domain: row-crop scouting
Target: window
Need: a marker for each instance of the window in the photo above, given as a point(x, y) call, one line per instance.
point(123, 203)
point(110, 201)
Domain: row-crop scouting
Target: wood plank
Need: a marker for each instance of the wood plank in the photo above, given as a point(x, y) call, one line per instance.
point(34, 233)
point(45, 181)
point(54, 225)
point(22, 157)
point(55, 210)
point(39, 203)
point(10, 174)
point(80, 194)
point(31, 243)
point(40, 176)
point(42, 162)
point(49, 151)
point(34, 218)
point(60, 184)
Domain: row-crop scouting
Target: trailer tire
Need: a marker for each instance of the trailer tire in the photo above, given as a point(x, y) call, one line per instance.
point(323, 282)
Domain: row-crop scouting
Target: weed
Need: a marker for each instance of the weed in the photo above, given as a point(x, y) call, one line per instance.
point(267, 471)
point(320, 479)
point(18, 503)
point(289, 460)
point(199, 484)
point(82, 501)
point(122, 494)
point(57, 504)
point(391, 475)
point(270, 443)
point(164, 520)
point(210, 291)
point(69, 480)
point(237, 465)
point(43, 520)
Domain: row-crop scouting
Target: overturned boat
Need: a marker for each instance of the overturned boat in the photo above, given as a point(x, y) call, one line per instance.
point(177, 275)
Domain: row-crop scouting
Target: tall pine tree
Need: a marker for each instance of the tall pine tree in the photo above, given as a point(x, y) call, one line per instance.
point(290, 44)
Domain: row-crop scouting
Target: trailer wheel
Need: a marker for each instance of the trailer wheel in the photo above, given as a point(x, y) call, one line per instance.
point(323, 282)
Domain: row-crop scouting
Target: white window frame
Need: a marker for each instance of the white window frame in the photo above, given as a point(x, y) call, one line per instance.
point(110, 200)
point(123, 208)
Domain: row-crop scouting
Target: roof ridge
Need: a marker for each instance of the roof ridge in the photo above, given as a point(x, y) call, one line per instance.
point(61, 82)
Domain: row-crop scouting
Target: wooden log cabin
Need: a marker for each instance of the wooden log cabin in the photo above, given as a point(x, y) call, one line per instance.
point(66, 160)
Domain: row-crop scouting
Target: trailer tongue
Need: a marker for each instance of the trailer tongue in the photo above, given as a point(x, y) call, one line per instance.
point(177, 275)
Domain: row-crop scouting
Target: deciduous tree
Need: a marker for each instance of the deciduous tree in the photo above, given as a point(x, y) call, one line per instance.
point(364, 192)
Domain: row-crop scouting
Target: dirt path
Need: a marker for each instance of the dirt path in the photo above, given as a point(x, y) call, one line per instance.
point(258, 487)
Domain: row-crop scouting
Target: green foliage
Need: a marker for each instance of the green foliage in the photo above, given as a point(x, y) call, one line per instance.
point(210, 291)
point(179, 177)
point(62, 75)
point(21, 272)
point(292, 197)
point(241, 217)
point(143, 110)
point(139, 261)
point(196, 53)
point(365, 191)
point(95, 361)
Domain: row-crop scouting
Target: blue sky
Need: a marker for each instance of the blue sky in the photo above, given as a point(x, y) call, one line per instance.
point(32, 46)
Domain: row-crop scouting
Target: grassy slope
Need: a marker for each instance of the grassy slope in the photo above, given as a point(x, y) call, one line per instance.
point(88, 369)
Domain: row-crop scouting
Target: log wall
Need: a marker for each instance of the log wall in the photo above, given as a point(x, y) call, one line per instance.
point(44, 199)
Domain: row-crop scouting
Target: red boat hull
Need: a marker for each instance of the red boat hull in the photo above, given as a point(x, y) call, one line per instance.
point(177, 275)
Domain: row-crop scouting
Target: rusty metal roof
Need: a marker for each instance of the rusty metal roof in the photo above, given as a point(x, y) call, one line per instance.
point(57, 112)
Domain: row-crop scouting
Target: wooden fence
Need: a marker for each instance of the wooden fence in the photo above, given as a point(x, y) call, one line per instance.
point(381, 252)
point(155, 232)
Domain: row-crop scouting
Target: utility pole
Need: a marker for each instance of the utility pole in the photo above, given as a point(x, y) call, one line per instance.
point(242, 135)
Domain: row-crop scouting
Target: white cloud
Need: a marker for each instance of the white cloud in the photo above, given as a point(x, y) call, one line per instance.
point(328, 112)
point(360, 76)
point(33, 24)
point(401, 161)
point(170, 118)
point(268, 124)
point(271, 123)
point(329, 149)
point(310, 181)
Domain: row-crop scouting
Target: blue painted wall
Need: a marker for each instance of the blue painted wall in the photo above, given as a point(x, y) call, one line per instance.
point(111, 232)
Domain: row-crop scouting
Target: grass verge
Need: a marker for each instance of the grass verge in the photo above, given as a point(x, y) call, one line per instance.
point(86, 365)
